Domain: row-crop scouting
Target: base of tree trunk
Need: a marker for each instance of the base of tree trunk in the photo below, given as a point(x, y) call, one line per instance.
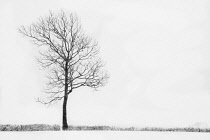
point(65, 127)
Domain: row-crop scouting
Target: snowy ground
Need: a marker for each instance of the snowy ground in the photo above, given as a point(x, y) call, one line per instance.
point(103, 135)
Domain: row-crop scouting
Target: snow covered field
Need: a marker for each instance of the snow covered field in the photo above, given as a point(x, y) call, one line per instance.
point(104, 135)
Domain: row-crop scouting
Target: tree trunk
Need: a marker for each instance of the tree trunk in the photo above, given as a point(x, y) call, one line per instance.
point(65, 124)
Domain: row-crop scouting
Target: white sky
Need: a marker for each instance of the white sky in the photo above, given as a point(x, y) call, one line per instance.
point(157, 54)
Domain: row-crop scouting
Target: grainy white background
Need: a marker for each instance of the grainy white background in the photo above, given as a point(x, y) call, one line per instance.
point(157, 54)
point(104, 135)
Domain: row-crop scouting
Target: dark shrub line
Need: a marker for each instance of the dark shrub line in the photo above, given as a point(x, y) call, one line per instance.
point(32, 127)
point(109, 128)
point(44, 127)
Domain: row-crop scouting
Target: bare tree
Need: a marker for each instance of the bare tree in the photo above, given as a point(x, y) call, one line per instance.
point(70, 56)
